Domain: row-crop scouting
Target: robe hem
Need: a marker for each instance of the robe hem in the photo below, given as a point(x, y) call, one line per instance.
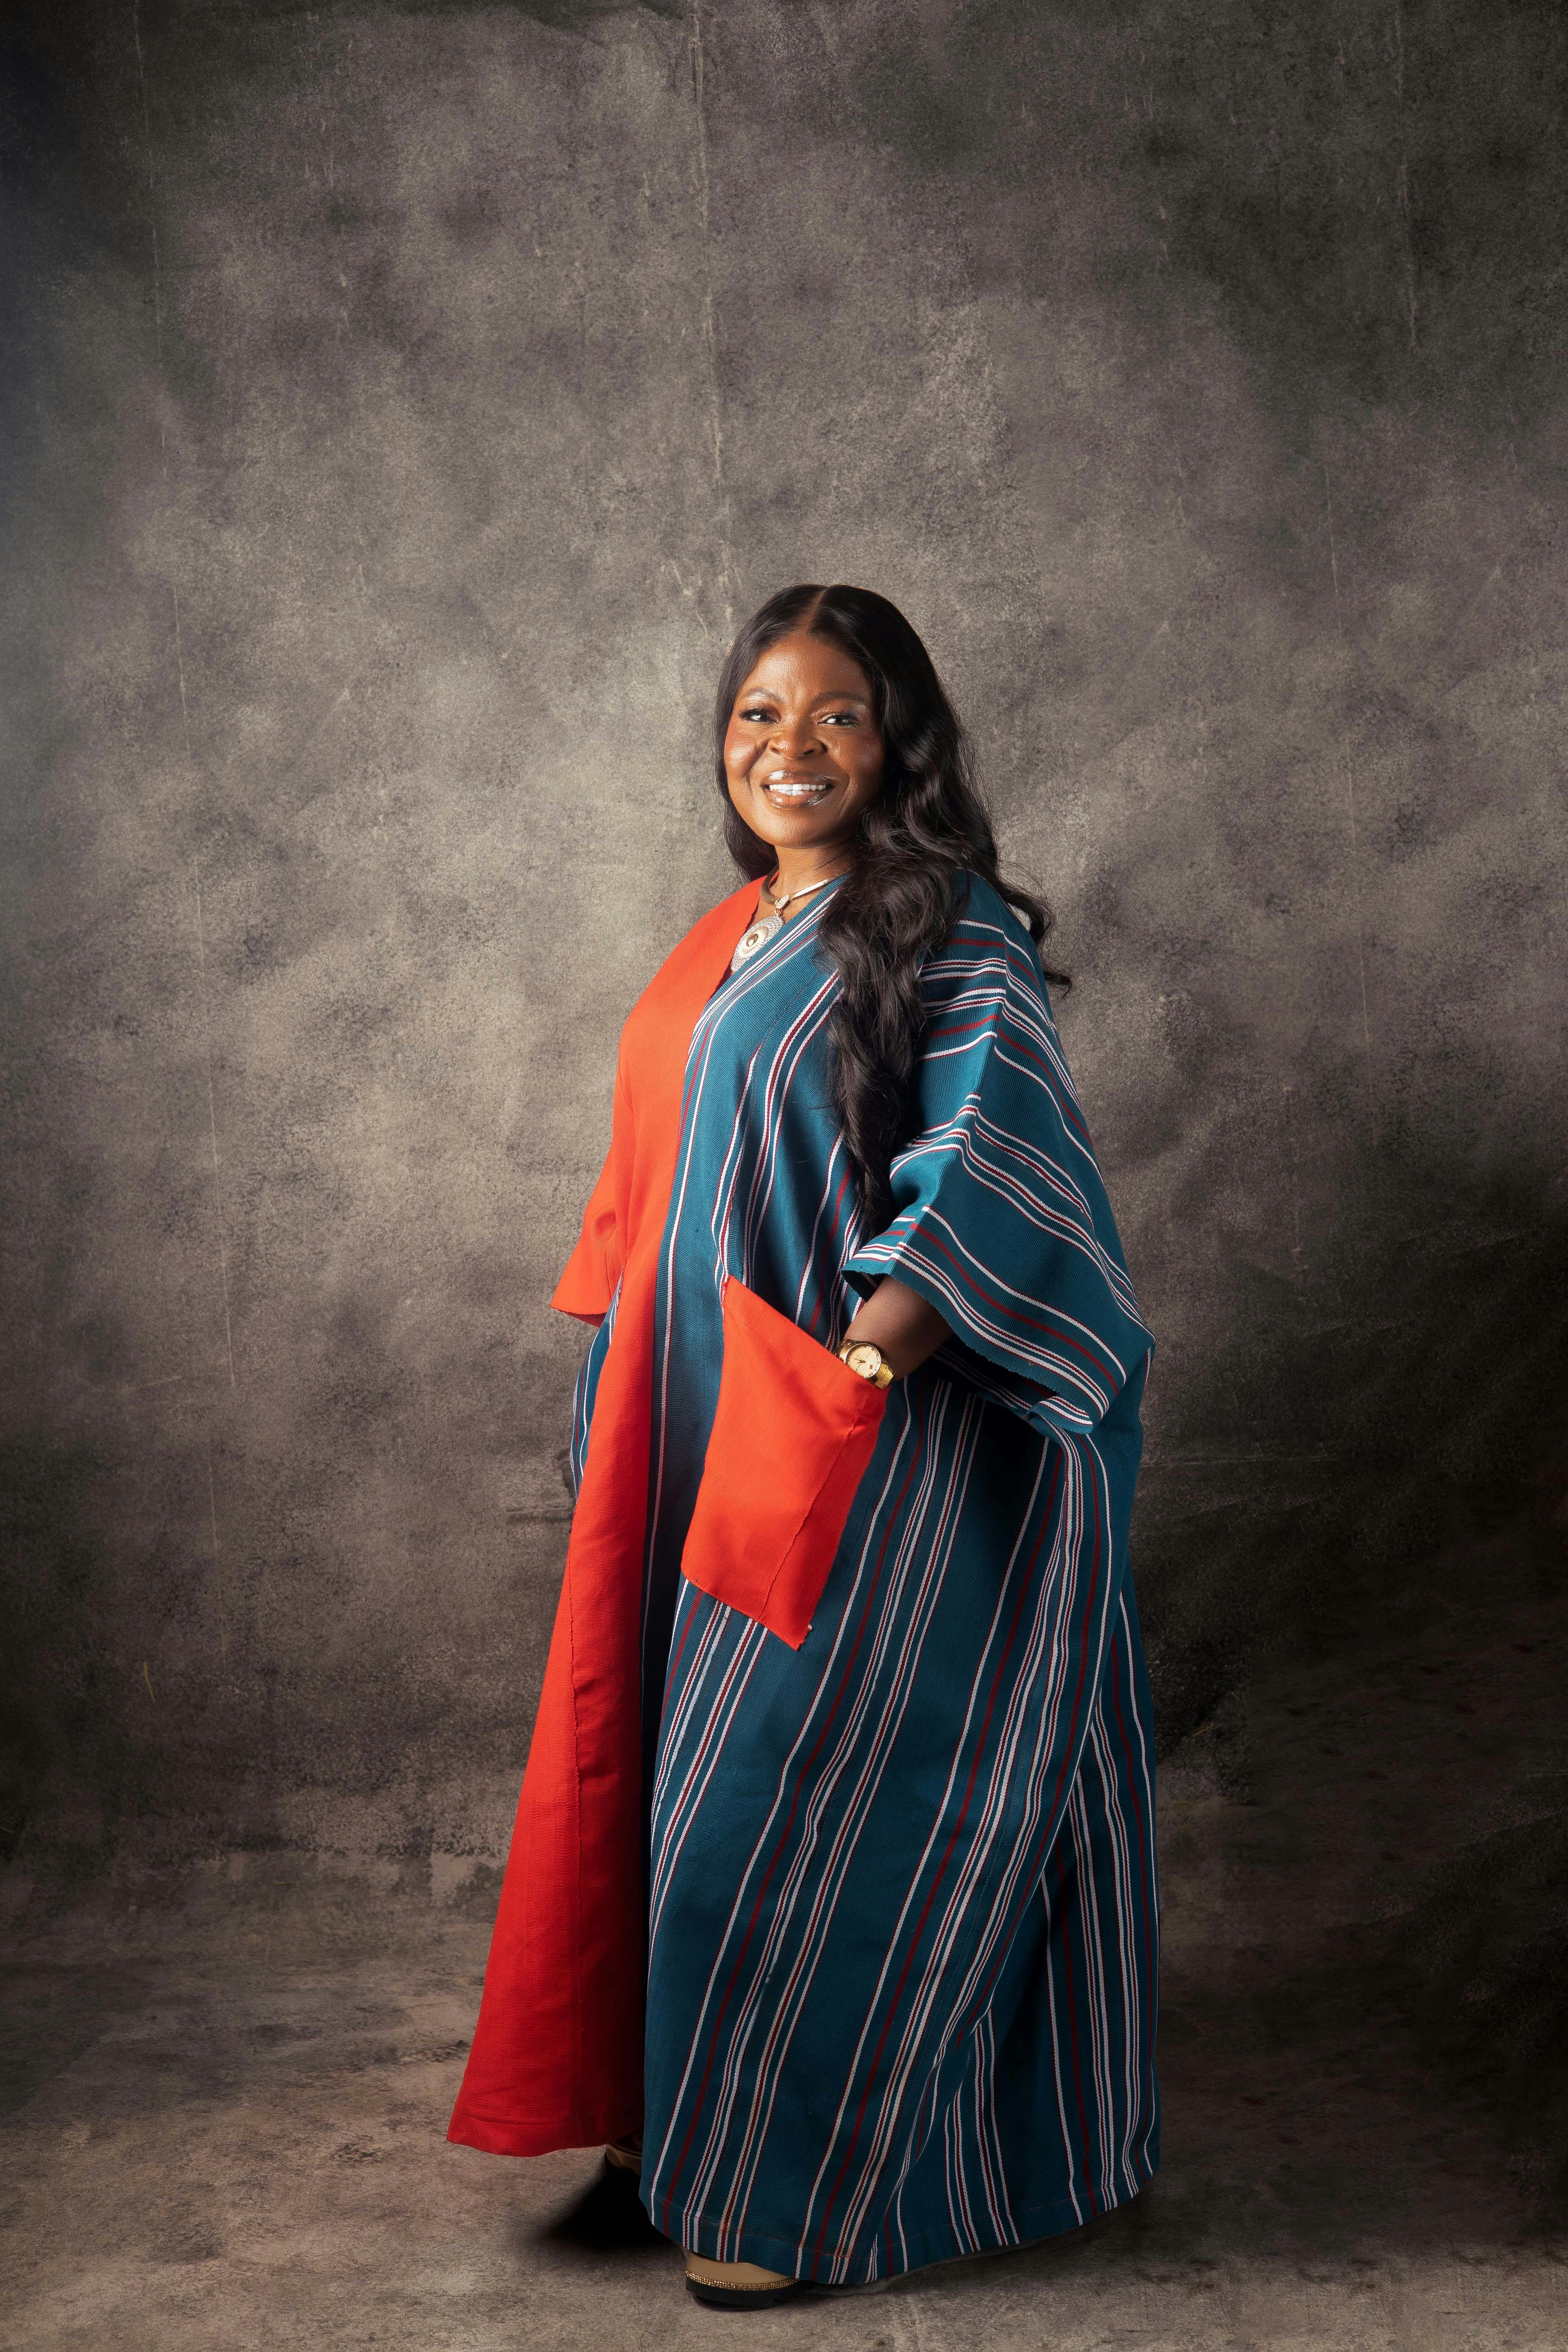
point(927, 2248)
point(511, 2135)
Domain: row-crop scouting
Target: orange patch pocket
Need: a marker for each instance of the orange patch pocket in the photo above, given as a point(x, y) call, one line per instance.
point(793, 1434)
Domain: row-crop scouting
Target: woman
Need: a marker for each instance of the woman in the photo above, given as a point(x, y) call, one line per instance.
point(844, 1756)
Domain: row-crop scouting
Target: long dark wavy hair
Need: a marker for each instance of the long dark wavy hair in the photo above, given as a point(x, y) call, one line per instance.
point(919, 840)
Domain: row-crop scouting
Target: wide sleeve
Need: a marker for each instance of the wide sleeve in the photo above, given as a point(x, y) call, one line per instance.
point(1001, 1220)
point(588, 1281)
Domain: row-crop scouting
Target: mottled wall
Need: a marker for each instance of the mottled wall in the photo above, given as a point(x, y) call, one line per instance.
point(404, 405)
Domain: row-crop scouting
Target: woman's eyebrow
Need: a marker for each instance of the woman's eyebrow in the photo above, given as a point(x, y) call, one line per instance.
point(839, 694)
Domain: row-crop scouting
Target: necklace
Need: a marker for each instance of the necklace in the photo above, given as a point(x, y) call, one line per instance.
point(804, 892)
point(768, 927)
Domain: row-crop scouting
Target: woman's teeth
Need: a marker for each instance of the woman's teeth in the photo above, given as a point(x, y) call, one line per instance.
point(790, 789)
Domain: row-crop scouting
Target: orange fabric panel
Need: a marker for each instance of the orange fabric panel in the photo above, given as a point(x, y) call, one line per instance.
point(792, 1433)
point(556, 2059)
point(588, 1280)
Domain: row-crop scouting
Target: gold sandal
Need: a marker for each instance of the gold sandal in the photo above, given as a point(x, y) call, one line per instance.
point(738, 2286)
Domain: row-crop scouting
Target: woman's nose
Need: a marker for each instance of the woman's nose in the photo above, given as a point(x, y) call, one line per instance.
point(795, 735)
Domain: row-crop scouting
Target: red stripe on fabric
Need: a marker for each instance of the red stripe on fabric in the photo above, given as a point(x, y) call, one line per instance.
point(1078, 2075)
point(1142, 1840)
point(823, 1306)
point(1083, 1668)
point(672, 1671)
point(1068, 1116)
point(1067, 1939)
point(1030, 1322)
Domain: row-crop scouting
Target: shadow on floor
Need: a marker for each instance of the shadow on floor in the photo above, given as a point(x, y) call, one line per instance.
point(607, 2217)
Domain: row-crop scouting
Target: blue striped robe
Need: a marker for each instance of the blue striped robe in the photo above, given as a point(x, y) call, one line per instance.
point(903, 1925)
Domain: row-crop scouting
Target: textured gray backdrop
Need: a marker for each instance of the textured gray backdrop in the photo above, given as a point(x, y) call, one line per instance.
point(404, 405)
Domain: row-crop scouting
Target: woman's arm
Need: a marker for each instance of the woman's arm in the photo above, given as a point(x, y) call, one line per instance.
point(899, 1321)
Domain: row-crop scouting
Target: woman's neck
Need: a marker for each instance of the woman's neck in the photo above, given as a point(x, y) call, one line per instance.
point(798, 868)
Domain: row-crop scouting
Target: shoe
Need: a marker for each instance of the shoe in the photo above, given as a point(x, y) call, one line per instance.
point(625, 2155)
point(738, 2286)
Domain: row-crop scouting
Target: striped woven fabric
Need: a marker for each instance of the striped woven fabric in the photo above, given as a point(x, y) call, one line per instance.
point(903, 1924)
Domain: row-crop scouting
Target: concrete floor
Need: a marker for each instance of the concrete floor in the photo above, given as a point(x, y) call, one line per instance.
point(226, 2091)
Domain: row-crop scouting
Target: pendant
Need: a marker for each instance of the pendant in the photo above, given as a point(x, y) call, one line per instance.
point(767, 928)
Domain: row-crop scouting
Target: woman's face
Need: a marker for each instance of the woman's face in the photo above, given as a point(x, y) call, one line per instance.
point(802, 751)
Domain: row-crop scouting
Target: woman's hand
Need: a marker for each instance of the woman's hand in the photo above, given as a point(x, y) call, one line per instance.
point(898, 1320)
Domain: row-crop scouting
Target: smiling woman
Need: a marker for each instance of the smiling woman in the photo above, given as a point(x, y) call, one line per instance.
point(834, 1864)
point(803, 758)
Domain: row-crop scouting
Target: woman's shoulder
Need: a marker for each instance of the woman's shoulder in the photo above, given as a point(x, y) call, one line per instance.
point(981, 902)
point(986, 926)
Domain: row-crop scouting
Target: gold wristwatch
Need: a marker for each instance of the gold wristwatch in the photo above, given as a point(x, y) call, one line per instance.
point(864, 1357)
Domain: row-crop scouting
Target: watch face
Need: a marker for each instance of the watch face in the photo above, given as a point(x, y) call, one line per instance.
point(866, 1360)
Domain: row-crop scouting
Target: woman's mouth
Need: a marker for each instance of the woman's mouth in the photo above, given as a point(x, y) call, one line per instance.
point(790, 789)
